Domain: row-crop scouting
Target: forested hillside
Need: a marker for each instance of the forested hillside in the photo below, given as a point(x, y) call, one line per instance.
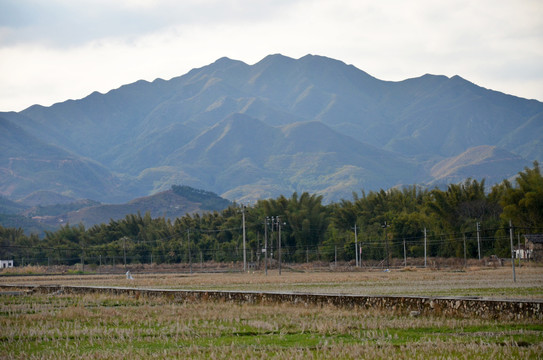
point(389, 224)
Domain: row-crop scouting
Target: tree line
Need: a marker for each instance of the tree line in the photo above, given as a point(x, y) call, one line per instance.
point(463, 220)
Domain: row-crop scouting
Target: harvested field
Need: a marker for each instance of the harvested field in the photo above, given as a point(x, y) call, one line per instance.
point(487, 282)
point(104, 326)
point(111, 327)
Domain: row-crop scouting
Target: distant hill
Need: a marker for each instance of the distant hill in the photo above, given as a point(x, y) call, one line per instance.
point(59, 209)
point(170, 204)
point(46, 198)
point(281, 125)
point(10, 207)
point(29, 225)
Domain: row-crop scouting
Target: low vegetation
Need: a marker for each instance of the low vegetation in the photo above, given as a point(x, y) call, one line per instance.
point(100, 326)
point(105, 327)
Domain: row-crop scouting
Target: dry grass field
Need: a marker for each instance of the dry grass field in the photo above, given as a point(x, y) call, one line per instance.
point(98, 326)
point(487, 282)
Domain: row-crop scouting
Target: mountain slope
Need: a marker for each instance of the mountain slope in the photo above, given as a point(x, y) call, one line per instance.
point(488, 162)
point(412, 113)
point(241, 151)
point(457, 115)
point(170, 204)
point(247, 131)
point(28, 164)
point(46, 198)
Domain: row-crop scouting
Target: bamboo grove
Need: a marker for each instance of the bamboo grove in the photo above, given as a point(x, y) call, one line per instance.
point(462, 220)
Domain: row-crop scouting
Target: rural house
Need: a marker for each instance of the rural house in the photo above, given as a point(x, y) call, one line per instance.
point(522, 253)
point(534, 245)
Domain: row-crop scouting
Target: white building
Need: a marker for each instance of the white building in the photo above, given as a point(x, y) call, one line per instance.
point(6, 264)
point(522, 254)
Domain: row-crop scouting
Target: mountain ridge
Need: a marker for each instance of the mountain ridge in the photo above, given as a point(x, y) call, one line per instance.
point(169, 204)
point(310, 124)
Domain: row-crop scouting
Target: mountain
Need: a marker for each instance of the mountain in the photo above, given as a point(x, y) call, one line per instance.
point(9, 207)
point(58, 209)
point(28, 164)
point(281, 125)
point(481, 162)
point(241, 151)
point(45, 198)
point(169, 204)
point(29, 225)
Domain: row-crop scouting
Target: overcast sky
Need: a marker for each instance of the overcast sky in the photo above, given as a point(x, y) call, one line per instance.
point(55, 50)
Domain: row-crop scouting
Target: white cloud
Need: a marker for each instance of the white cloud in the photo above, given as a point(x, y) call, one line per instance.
point(55, 50)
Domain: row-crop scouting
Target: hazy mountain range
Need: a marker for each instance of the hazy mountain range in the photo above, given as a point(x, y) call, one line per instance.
point(256, 131)
point(46, 211)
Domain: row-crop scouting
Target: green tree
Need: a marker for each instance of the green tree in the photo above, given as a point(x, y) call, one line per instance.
point(523, 204)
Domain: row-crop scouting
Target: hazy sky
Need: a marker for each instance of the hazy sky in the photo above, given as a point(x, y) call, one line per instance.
point(55, 50)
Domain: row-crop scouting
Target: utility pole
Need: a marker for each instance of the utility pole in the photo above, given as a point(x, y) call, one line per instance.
point(258, 252)
point(356, 246)
point(425, 246)
point(385, 226)
point(266, 245)
point(519, 252)
point(465, 256)
point(124, 251)
point(279, 226)
point(272, 227)
point(83, 259)
point(404, 254)
point(188, 244)
point(478, 242)
point(512, 251)
point(244, 242)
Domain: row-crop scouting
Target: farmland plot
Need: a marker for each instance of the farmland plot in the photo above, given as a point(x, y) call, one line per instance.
point(100, 326)
point(104, 326)
point(485, 282)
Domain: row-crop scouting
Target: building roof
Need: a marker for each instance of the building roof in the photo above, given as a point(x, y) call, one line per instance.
point(534, 238)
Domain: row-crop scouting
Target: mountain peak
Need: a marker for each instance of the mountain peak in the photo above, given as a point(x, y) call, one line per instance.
point(225, 61)
point(287, 123)
point(320, 59)
point(274, 61)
